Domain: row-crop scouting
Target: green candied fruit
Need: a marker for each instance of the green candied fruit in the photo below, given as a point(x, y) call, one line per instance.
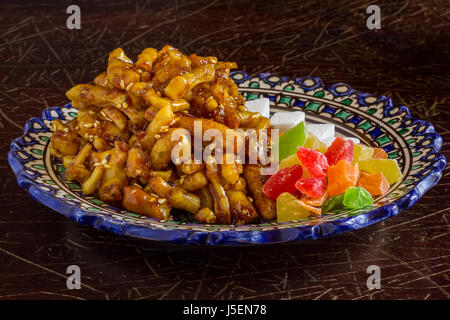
point(289, 141)
point(357, 198)
point(333, 203)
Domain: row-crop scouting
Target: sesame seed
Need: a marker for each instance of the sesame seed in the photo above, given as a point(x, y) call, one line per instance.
point(122, 84)
point(161, 201)
point(87, 125)
point(128, 86)
point(66, 130)
point(157, 136)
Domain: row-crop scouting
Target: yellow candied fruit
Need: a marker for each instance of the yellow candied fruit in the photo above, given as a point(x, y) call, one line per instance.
point(289, 208)
point(312, 142)
point(361, 152)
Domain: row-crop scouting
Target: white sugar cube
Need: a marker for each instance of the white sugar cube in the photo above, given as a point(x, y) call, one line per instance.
point(324, 132)
point(260, 105)
point(284, 121)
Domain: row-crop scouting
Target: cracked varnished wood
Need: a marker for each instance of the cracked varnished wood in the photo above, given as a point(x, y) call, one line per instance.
point(408, 60)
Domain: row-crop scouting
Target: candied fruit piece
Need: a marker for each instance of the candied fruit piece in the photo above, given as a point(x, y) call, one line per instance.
point(357, 198)
point(289, 208)
point(314, 161)
point(361, 152)
point(333, 203)
point(340, 149)
point(293, 160)
point(313, 209)
point(341, 176)
point(379, 153)
point(287, 143)
point(314, 143)
point(282, 181)
point(312, 187)
point(315, 202)
point(389, 167)
point(375, 183)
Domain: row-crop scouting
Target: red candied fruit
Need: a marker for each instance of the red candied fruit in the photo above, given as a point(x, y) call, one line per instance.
point(314, 161)
point(282, 181)
point(312, 187)
point(340, 149)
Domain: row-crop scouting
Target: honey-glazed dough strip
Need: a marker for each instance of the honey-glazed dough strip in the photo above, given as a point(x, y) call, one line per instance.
point(162, 120)
point(177, 197)
point(179, 86)
point(98, 96)
point(137, 200)
point(255, 182)
point(221, 202)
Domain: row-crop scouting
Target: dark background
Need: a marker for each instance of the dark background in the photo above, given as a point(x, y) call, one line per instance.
point(407, 60)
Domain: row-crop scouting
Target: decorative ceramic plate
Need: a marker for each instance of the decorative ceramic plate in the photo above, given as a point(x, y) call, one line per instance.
point(375, 120)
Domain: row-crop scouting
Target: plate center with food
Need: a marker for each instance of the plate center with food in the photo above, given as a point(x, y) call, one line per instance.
point(186, 149)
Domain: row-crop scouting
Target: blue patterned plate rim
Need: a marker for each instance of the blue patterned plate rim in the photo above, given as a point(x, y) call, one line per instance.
point(304, 93)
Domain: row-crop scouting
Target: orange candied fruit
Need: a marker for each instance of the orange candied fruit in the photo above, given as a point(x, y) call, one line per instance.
point(341, 176)
point(379, 153)
point(376, 184)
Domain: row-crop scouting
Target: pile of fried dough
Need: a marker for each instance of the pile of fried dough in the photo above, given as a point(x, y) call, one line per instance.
point(119, 146)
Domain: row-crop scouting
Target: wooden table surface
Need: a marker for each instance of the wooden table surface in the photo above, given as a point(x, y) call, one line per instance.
point(407, 60)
